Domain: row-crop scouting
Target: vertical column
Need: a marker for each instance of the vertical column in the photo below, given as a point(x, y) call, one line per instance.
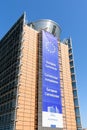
point(27, 100)
point(62, 89)
point(68, 93)
point(74, 86)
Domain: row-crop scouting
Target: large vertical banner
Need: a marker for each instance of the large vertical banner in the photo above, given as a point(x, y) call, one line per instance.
point(51, 96)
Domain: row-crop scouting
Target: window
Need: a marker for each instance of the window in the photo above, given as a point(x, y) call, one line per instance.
point(54, 29)
point(74, 85)
point(79, 128)
point(71, 63)
point(12, 115)
point(76, 102)
point(77, 111)
point(78, 121)
point(70, 50)
point(73, 77)
point(75, 93)
point(70, 57)
point(72, 70)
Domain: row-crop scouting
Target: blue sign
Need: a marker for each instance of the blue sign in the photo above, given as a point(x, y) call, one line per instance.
point(51, 96)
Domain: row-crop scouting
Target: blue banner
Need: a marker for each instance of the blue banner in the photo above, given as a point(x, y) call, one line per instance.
point(51, 95)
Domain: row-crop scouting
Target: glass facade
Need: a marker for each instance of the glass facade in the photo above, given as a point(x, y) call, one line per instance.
point(9, 69)
point(74, 86)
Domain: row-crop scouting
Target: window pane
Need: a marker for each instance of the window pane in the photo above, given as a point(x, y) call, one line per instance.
point(71, 63)
point(72, 70)
point(76, 102)
point(70, 57)
point(75, 93)
point(78, 121)
point(73, 77)
point(74, 84)
point(77, 111)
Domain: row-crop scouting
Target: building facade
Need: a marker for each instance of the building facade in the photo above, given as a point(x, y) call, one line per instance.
point(37, 79)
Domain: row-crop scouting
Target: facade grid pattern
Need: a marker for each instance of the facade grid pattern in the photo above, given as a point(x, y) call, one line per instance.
point(9, 69)
point(21, 80)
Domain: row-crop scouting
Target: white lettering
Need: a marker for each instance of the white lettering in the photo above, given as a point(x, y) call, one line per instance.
point(50, 63)
point(53, 81)
point(51, 90)
point(51, 67)
point(51, 95)
point(51, 76)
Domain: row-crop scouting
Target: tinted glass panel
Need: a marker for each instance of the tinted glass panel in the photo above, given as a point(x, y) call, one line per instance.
point(75, 93)
point(73, 77)
point(71, 63)
point(77, 111)
point(78, 121)
point(74, 84)
point(76, 102)
point(72, 70)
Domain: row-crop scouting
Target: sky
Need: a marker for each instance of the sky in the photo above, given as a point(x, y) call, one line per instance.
point(71, 15)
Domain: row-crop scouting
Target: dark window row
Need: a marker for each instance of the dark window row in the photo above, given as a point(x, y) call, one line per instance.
point(8, 106)
point(8, 50)
point(6, 118)
point(8, 87)
point(8, 62)
point(8, 80)
point(8, 96)
point(7, 72)
point(16, 34)
point(8, 126)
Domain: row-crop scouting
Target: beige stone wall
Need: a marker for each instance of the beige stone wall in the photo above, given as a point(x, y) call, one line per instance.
point(25, 116)
point(67, 102)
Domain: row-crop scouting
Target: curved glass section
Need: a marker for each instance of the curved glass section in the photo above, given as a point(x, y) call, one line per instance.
point(47, 25)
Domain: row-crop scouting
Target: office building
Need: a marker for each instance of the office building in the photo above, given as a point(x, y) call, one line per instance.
point(37, 78)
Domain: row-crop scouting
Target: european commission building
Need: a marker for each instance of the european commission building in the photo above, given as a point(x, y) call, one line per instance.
point(38, 89)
